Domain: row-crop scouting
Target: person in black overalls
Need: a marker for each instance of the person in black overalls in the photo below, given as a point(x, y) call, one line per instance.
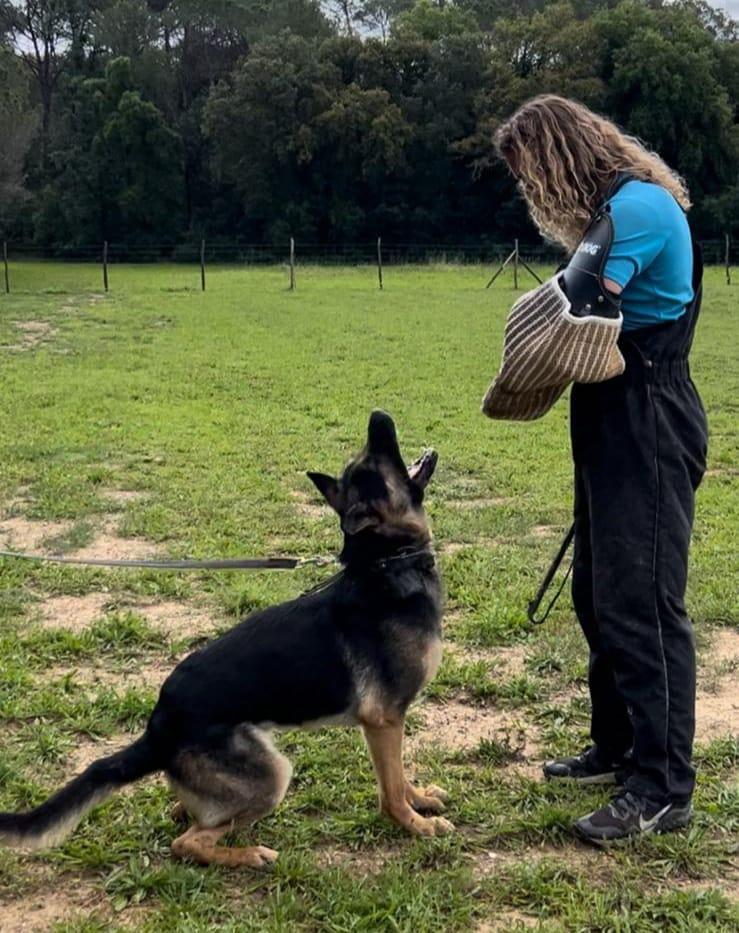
point(639, 449)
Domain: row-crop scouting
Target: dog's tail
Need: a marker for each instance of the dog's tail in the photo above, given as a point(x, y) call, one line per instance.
point(51, 823)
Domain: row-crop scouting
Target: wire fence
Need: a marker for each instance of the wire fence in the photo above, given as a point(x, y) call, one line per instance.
point(246, 253)
point(380, 253)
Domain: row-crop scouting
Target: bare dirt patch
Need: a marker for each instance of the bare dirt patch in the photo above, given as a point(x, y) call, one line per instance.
point(728, 885)
point(175, 619)
point(76, 613)
point(32, 333)
point(577, 857)
point(544, 531)
point(724, 646)
point(361, 861)
point(108, 543)
point(508, 660)
point(86, 751)
point(42, 910)
point(139, 675)
point(717, 714)
point(461, 727)
point(454, 547)
point(123, 496)
point(22, 534)
point(507, 920)
point(717, 704)
point(307, 506)
point(480, 502)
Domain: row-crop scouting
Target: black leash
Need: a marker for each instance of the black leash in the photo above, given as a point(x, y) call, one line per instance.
point(235, 563)
point(547, 581)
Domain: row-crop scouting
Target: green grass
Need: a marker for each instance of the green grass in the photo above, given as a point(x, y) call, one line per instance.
point(214, 405)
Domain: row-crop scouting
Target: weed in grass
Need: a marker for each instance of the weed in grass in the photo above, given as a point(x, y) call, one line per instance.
point(78, 536)
point(719, 755)
point(502, 749)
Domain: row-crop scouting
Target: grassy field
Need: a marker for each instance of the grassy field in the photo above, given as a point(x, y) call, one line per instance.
point(159, 420)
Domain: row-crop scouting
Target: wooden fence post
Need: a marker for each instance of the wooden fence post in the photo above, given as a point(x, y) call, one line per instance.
point(514, 257)
point(202, 264)
point(5, 262)
point(379, 259)
point(292, 264)
point(727, 258)
point(105, 265)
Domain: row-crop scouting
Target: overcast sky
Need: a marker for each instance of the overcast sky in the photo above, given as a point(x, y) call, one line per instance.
point(731, 5)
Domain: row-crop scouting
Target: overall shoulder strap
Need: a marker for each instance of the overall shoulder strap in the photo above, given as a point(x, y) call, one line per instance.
point(618, 182)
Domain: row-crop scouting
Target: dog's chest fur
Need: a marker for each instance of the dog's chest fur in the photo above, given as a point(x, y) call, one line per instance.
point(391, 649)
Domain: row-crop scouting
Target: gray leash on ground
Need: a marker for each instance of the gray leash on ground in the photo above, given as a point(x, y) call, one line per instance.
point(233, 563)
point(282, 563)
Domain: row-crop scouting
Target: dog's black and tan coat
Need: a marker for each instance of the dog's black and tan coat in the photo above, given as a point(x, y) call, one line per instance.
point(356, 652)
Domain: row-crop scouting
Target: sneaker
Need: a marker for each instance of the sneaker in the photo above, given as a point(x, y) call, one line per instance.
point(586, 768)
point(631, 815)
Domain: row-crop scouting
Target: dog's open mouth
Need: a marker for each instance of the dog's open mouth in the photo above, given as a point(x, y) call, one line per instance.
point(424, 466)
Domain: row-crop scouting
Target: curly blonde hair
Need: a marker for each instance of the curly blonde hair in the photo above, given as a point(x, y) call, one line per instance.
point(565, 157)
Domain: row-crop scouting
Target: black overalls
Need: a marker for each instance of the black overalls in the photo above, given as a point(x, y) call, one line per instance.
point(639, 448)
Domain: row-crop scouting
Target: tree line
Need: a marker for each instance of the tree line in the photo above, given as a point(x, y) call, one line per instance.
point(161, 121)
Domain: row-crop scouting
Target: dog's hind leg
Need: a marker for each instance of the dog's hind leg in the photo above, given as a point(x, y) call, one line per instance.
point(386, 748)
point(226, 785)
point(199, 845)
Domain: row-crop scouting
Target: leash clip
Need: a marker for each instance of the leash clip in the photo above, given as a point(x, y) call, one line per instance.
point(316, 561)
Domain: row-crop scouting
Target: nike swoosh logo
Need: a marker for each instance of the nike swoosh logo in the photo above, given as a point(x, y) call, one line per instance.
point(646, 825)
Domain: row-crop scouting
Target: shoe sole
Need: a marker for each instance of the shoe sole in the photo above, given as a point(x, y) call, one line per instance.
point(608, 777)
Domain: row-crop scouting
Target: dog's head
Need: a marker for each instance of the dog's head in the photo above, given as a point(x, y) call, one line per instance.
point(379, 499)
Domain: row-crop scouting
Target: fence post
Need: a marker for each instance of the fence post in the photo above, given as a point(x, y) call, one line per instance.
point(515, 265)
point(5, 262)
point(105, 265)
point(202, 264)
point(292, 264)
point(379, 260)
point(727, 258)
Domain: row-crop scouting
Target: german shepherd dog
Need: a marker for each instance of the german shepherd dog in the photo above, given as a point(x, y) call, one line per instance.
point(356, 651)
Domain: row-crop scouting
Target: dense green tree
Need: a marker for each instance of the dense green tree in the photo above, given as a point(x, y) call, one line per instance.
point(663, 73)
point(119, 168)
point(432, 21)
point(261, 118)
point(17, 113)
point(49, 36)
point(552, 51)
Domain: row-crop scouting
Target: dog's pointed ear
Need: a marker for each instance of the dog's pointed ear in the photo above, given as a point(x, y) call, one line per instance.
point(328, 487)
point(382, 439)
point(421, 471)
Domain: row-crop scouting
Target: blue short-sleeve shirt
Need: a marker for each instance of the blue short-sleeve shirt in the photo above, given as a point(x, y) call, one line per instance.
point(651, 257)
